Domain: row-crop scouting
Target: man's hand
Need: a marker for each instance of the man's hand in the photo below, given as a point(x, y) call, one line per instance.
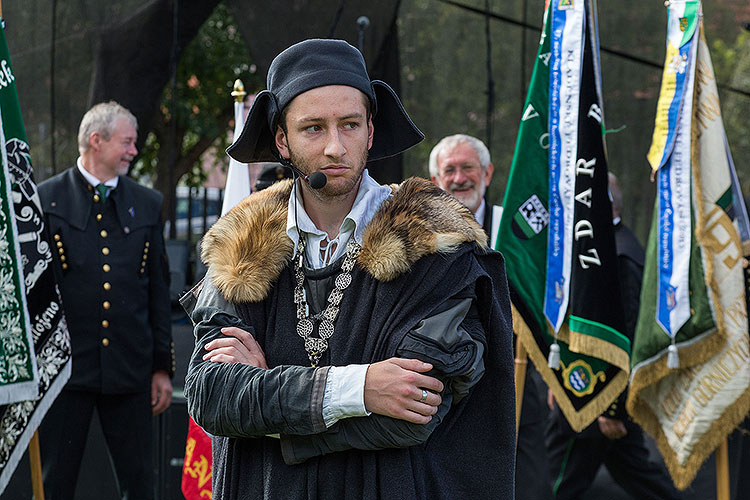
point(612, 428)
point(550, 399)
point(394, 388)
point(238, 346)
point(161, 392)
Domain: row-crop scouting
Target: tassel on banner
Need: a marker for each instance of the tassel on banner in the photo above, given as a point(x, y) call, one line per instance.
point(673, 360)
point(553, 361)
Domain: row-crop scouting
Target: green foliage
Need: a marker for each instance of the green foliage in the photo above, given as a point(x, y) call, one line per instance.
point(732, 68)
point(206, 73)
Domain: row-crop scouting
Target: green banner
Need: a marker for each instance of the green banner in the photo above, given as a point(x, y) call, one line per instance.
point(18, 377)
point(594, 354)
point(34, 333)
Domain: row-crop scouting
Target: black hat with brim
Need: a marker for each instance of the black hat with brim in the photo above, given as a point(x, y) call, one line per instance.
point(317, 63)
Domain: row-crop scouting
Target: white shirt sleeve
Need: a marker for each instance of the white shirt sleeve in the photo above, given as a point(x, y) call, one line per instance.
point(344, 395)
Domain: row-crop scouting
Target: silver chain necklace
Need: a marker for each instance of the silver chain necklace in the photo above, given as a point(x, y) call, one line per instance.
point(316, 346)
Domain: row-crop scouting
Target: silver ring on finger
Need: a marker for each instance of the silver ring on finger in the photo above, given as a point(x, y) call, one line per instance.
point(424, 396)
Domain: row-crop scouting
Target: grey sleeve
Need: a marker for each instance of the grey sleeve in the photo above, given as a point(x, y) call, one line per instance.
point(453, 341)
point(237, 400)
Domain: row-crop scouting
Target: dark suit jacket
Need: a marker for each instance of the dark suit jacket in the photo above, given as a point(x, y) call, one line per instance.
point(111, 268)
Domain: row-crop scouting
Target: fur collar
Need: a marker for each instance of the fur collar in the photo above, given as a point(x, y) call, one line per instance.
point(247, 249)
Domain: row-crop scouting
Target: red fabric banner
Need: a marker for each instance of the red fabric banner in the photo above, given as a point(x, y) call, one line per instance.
point(198, 467)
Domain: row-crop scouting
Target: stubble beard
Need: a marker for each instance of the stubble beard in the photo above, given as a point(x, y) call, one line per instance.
point(332, 190)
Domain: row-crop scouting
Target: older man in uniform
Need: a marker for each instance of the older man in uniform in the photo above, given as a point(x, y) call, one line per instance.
point(461, 165)
point(113, 276)
point(353, 340)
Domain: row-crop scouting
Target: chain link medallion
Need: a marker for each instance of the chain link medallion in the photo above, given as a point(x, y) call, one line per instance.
point(316, 346)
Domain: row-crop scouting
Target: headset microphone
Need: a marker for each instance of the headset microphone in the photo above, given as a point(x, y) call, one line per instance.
point(316, 180)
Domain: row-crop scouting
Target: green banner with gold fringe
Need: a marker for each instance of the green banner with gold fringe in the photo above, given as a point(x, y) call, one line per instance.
point(594, 354)
point(690, 409)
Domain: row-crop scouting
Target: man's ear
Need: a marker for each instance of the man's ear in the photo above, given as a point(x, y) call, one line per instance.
point(95, 141)
point(281, 142)
point(370, 132)
point(488, 176)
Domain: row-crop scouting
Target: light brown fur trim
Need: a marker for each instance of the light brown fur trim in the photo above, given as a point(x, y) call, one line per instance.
point(247, 249)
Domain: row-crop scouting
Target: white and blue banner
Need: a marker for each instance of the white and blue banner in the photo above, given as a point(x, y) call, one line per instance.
point(674, 189)
point(568, 23)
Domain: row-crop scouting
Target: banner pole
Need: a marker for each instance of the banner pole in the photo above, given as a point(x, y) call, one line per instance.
point(520, 372)
point(722, 471)
point(36, 467)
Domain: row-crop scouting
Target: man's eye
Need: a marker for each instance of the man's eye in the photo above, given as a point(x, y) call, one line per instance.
point(312, 128)
point(351, 125)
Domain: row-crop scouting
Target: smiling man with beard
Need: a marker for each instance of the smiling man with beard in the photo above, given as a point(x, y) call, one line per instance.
point(350, 342)
point(460, 164)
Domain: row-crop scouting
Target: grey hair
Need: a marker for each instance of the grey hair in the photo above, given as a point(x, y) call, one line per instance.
point(450, 142)
point(102, 118)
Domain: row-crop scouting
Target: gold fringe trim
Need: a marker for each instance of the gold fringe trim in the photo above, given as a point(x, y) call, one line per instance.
point(582, 418)
point(683, 475)
point(600, 349)
point(697, 353)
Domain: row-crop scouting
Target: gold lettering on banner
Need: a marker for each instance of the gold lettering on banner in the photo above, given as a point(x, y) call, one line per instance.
point(683, 422)
point(199, 469)
point(722, 371)
point(686, 377)
point(720, 237)
point(671, 402)
point(736, 313)
point(189, 449)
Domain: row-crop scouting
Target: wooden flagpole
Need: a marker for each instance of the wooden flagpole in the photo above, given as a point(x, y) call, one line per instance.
point(520, 372)
point(34, 455)
point(35, 458)
point(722, 470)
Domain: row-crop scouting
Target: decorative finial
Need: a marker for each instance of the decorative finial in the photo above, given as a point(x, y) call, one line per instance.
point(239, 91)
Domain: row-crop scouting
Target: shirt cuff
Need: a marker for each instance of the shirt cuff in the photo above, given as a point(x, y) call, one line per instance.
point(344, 393)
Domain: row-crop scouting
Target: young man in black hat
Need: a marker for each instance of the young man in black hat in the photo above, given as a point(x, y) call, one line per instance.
point(353, 340)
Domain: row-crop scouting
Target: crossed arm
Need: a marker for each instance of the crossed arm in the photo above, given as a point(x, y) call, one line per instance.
point(393, 387)
point(232, 392)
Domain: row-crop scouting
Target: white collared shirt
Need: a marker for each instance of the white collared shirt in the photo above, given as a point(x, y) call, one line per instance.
point(369, 198)
point(111, 183)
point(345, 385)
point(479, 214)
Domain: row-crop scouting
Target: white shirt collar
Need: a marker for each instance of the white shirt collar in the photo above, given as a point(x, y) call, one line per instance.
point(616, 220)
point(369, 198)
point(112, 183)
point(479, 214)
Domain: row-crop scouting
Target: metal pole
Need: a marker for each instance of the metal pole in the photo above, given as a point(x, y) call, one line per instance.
point(363, 22)
point(52, 127)
point(523, 55)
point(173, 129)
point(490, 81)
